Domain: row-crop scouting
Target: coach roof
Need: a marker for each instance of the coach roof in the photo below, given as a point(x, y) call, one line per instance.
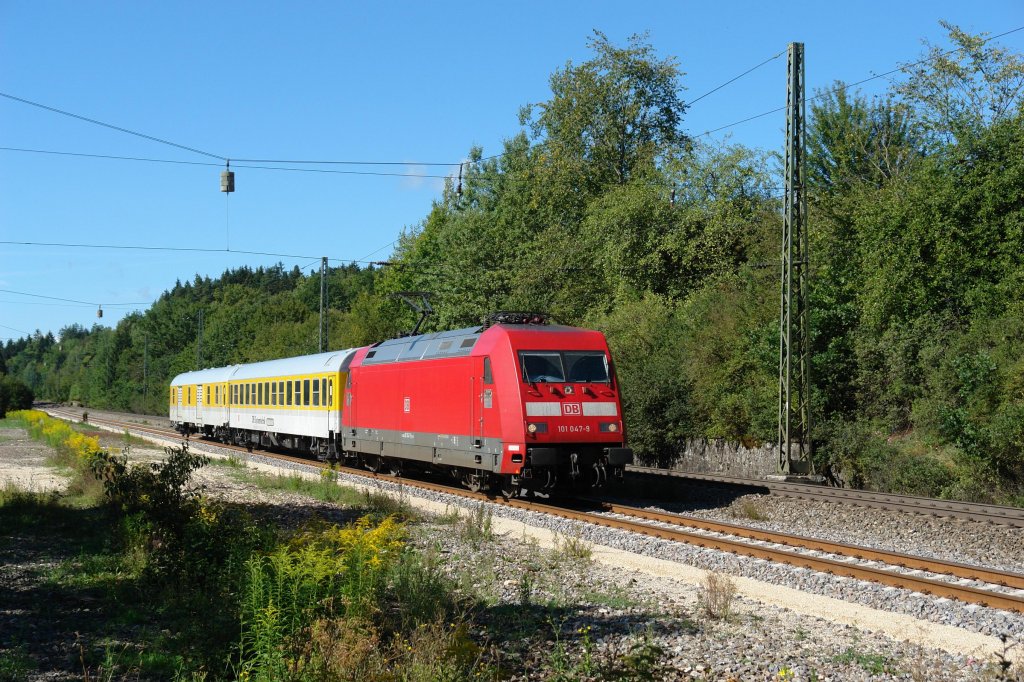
point(334, 361)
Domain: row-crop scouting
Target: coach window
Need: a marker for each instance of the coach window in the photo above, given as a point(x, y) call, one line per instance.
point(288, 391)
point(280, 393)
point(316, 393)
point(305, 392)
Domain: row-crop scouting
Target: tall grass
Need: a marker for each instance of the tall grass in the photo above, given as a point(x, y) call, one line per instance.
point(350, 603)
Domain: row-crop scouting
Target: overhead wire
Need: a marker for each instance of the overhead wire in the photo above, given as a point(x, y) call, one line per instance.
point(217, 165)
point(832, 91)
point(153, 138)
point(20, 331)
point(307, 162)
point(736, 78)
point(111, 126)
point(72, 300)
point(188, 249)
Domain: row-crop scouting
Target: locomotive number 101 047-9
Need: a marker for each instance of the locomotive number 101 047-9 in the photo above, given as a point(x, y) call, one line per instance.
point(573, 428)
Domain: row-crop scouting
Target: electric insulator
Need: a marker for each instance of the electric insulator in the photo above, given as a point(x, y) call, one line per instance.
point(227, 181)
point(99, 312)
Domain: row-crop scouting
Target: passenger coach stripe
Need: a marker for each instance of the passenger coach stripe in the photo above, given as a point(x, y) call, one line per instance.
point(600, 410)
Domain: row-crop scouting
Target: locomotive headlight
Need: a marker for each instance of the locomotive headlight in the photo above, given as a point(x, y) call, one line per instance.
point(532, 428)
point(610, 427)
point(537, 427)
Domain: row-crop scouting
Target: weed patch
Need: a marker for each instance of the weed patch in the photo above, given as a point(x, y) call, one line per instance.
point(573, 546)
point(876, 664)
point(715, 595)
point(477, 526)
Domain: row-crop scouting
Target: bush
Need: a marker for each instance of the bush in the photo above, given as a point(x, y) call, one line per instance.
point(14, 395)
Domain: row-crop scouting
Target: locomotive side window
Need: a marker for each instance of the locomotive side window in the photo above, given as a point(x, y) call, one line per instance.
point(542, 367)
point(488, 378)
point(587, 367)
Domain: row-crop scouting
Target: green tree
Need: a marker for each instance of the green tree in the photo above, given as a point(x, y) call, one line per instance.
point(960, 92)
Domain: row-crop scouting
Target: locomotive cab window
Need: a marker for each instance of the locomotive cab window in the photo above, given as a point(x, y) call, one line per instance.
point(585, 367)
point(542, 367)
point(488, 377)
point(575, 367)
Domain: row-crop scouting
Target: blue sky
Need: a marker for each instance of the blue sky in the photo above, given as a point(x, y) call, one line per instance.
point(406, 82)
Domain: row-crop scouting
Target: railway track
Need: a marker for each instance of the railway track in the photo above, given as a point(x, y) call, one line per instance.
point(990, 513)
point(968, 583)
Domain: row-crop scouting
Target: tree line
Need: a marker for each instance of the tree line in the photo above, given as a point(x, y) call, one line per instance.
point(604, 213)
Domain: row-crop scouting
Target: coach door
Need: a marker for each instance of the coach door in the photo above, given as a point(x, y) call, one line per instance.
point(199, 403)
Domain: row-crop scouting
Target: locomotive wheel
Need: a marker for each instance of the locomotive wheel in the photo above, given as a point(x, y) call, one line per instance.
point(393, 466)
point(373, 463)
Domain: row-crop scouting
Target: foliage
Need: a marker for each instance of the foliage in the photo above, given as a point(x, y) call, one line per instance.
point(14, 395)
point(964, 90)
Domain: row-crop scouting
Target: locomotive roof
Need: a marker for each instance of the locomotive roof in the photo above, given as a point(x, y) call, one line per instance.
point(302, 364)
point(449, 344)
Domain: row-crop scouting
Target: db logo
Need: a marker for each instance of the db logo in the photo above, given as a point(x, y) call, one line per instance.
point(572, 409)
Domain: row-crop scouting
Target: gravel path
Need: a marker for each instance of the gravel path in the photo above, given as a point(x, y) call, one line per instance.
point(642, 595)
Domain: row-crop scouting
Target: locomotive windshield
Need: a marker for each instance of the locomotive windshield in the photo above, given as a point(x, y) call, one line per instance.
point(568, 367)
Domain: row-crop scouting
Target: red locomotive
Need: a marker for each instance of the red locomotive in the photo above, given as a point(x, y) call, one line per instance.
point(513, 405)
